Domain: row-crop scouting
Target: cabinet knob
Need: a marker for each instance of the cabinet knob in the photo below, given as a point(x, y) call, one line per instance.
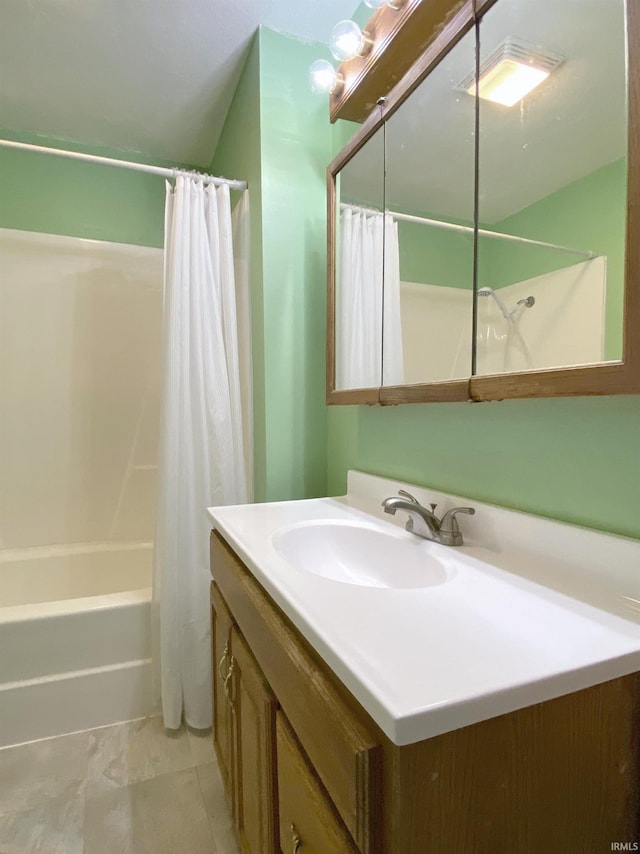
point(296, 842)
point(225, 656)
point(227, 679)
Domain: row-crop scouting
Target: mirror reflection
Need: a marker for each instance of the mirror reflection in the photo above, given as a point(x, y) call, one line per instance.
point(360, 257)
point(429, 194)
point(552, 184)
point(550, 163)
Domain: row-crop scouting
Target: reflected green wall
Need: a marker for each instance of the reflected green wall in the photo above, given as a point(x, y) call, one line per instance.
point(588, 214)
point(434, 256)
point(56, 196)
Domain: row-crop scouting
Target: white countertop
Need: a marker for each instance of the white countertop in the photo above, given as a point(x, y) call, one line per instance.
point(537, 609)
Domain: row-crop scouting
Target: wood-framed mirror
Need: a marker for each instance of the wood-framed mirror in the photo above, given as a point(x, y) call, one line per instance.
point(508, 263)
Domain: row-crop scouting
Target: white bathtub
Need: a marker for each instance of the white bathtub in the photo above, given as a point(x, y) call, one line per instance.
point(74, 638)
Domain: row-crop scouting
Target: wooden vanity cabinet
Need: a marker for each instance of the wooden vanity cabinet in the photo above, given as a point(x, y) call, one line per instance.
point(308, 818)
point(221, 626)
point(244, 734)
point(311, 772)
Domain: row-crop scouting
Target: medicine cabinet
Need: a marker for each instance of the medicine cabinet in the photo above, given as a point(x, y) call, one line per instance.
point(483, 240)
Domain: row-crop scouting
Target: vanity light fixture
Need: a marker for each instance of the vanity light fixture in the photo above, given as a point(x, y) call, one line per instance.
point(347, 41)
point(323, 77)
point(512, 71)
point(378, 4)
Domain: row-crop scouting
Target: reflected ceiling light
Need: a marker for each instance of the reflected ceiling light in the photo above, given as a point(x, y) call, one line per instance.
point(323, 77)
point(347, 41)
point(512, 71)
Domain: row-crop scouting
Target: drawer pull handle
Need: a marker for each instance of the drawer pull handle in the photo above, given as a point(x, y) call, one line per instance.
point(295, 840)
point(227, 679)
point(225, 656)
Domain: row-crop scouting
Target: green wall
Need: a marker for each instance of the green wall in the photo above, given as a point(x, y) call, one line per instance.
point(238, 155)
point(574, 459)
point(285, 158)
point(56, 196)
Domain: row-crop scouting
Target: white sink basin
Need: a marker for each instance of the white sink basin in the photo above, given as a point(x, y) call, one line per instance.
point(361, 554)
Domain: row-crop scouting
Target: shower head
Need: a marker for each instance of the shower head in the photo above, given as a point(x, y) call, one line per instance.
point(508, 315)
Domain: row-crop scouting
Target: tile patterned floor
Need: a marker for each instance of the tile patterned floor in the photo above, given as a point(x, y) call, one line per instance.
point(131, 788)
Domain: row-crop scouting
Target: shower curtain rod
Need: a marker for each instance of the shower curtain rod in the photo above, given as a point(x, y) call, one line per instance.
point(123, 164)
point(467, 229)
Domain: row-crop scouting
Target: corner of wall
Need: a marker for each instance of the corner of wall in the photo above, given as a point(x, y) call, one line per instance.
point(295, 147)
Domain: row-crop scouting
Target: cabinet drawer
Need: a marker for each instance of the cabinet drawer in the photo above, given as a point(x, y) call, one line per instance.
point(308, 820)
point(335, 733)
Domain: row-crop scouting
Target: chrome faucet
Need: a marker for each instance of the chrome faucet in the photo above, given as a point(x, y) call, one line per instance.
point(424, 522)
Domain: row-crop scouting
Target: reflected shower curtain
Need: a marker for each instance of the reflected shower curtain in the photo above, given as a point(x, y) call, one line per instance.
point(368, 325)
point(204, 434)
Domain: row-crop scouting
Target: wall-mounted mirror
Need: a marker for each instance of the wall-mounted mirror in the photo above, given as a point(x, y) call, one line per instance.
point(359, 267)
point(522, 198)
point(429, 195)
point(552, 184)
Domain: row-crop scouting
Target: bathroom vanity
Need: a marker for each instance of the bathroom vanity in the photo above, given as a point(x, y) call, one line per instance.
point(489, 710)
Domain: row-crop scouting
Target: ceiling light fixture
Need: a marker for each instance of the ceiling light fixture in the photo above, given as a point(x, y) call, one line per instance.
point(512, 71)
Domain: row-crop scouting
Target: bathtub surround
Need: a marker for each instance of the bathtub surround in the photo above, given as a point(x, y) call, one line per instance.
point(80, 325)
point(203, 435)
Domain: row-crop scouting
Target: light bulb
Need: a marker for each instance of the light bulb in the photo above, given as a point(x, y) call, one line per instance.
point(378, 4)
point(347, 40)
point(322, 76)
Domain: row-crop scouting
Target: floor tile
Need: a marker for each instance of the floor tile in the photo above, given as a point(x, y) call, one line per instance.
point(31, 774)
point(217, 808)
point(163, 815)
point(55, 826)
point(201, 745)
point(132, 752)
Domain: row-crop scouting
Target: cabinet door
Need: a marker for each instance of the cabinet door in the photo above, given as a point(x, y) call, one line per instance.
point(221, 623)
point(309, 822)
point(254, 710)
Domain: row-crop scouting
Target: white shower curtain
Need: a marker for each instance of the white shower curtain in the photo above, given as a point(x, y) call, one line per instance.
point(204, 434)
point(368, 326)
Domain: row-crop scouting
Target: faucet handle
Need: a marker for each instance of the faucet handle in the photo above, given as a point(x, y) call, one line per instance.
point(449, 528)
point(449, 521)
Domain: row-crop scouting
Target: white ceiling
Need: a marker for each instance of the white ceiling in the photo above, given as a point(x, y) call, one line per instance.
point(153, 76)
